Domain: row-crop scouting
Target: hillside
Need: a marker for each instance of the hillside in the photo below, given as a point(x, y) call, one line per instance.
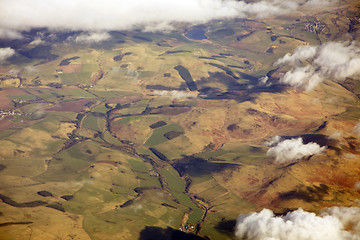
point(172, 134)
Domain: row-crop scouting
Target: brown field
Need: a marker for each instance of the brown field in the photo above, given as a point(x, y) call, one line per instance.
point(239, 45)
point(12, 91)
point(334, 177)
point(218, 137)
point(6, 123)
point(175, 43)
point(124, 130)
point(5, 103)
point(305, 184)
point(203, 103)
point(4, 70)
point(71, 68)
point(170, 110)
point(72, 106)
point(256, 25)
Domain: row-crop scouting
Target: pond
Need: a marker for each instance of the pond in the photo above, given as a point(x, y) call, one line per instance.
point(196, 34)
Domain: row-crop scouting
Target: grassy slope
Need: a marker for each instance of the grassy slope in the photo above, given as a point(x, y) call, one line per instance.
point(35, 159)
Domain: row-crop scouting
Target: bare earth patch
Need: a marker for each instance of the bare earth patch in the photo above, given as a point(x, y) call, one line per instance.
point(71, 68)
point(71, 106)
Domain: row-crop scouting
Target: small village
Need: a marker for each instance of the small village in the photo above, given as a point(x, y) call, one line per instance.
point(4, 113)
point(315, 26)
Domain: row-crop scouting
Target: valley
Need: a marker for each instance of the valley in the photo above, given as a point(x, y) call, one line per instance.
point(168, 133)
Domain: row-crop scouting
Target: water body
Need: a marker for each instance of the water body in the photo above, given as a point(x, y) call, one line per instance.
point(196, 34)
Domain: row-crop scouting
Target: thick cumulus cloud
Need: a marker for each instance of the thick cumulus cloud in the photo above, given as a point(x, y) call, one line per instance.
point(337, 223)
point(103, 15)
point(348, 216)
point(291, 150)
point(6, 53)
point(312, 64)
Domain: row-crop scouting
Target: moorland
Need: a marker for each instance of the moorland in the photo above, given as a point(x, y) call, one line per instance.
point(165, 133)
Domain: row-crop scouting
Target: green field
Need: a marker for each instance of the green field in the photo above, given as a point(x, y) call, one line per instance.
point(96, 123)
point(125, 120)
point(146, 131)
point(158, 135)
point(177, 188)
point(22, 97)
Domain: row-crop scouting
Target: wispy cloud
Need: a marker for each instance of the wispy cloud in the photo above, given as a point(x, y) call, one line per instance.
point(92, 37)
point(104, 15)
point(300, 225)
point(312, 64)
point(300, 54)
point(37, 41)
point(7, 33)
point(175, 94)
point(357, 129)
point(6, 53)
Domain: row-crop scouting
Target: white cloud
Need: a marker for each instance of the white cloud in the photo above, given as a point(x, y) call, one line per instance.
point(339, 59)
point(31, 69)
point(132, 73)
point(299, 225)
point(92, 37)
point(348, 216)
point(14, 71)
point(300, 53)
point(6, 53)
point(175, 94)
point(315, 4)
point(37, 41)
point(106, 15)
point(137, 208)
point(6, 33)
point(273, 141)
point(291, 150)
point(302, 77)
point(311, 65)
point(336, 135)
point(264, 81)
